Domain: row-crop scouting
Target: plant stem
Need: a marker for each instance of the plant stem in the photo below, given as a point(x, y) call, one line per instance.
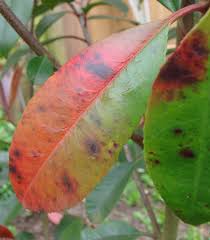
point(199, 7)
point(170, 230)
point(144, 196)
point(45, 226)
point(4, 101)
point(24, 33)
point(33, 17)
point(83, 23)
point(186, 23)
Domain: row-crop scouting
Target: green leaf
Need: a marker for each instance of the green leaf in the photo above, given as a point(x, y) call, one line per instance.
point(177, 133)
point(119, 4)
point(8, 36)
point(13, 59)
point(9, 208)
point(6, 131)
point(69, 228)
point(114, 18)
point(172, 5)
point(115, 230)
point(39, 69)
point(106, 194)
point(24, 236)
point(47, 21)
point(48, 5)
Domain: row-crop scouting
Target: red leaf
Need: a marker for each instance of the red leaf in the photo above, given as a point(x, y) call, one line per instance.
point(5, 233)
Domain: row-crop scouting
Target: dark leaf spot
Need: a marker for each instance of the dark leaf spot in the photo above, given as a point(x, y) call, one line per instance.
point(178, 131)
point(110, 152)
point(93, 147)
point(187, 153)
point(156, 161)
point(99, 69)
point(116, 145)
point(16, 153)
point(70, 185)
point(41, 109)
point(12, 169)
point(176, 73)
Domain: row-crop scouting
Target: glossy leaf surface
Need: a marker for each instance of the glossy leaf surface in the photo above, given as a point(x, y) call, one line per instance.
point(74, 127)
point(8, 36)
point(177, 128)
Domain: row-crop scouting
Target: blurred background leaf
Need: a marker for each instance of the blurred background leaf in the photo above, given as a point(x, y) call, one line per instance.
point(114, 230)
point(8, 36)
point(39, 69)
point(101, 201)
point(69, 228)
point(172, 5)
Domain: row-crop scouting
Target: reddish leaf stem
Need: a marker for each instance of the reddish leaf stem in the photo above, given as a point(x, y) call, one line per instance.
point(199, 7)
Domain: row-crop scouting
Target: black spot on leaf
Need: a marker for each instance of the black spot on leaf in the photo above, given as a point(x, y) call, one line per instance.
point(100, 69)
point(92, 146)
point(178, 131)
point(17, 153)
point(187, 153)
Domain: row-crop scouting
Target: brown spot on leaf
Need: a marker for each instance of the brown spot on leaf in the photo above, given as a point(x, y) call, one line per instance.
point(178, 131)
point(187, 153)
point(41, 108)
point(69, 184)
point(92, 146)
point(156, 161)
point(17, 153)
point(100, 69)
point(185, 67)
point(12, 169)
point(116, 145)
point(110, 152)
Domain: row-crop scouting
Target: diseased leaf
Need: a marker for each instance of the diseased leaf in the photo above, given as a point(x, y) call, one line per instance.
point(114, 230)
point(69, 228)
point(71, 131)
point(177, 129)
point(47, 21)
point(8, 36)
point(172, 5)
point(39, 70)
point(5, 233)
point(106, 194)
